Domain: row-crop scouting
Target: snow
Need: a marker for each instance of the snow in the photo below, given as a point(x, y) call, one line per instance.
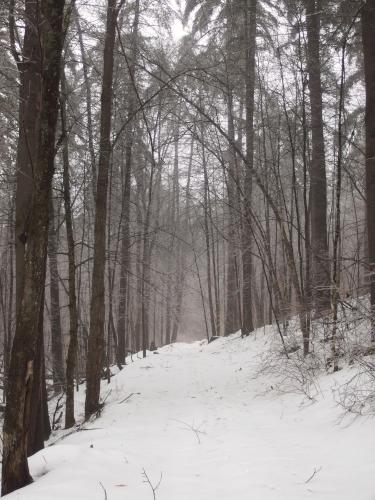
point(208, 425)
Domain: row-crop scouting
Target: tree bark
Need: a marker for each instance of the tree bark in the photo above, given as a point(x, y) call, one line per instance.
point(29, 128)
point(56, 333)
point(125, 243)
point(71, 359)
point(180, 275)
point(232, 318)
point(27, 150)
point(318, 182)
point(97, 309)
point(24, 359)
point(29, 117)
point(250, 26)
point(39, 427)
point(368, 37)
point(207, 237)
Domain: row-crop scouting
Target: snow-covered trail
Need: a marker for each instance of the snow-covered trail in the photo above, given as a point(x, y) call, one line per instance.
point(213, 431)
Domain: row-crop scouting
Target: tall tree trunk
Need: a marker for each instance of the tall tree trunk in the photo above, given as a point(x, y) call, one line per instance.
point(250, 27)
point(125, 259)
point(318, 190)
point(125, 243)
point(180, 275)
point(215, 265)
point(232, 319)
point(15, 472)
point(27, 151)
point(97, 309)
point(56, 333)
point(368, 36)
point(147, 248)
point(139, 265)
point(207, 238)
point(146, 262)
point(71, 359)
point(336, 268)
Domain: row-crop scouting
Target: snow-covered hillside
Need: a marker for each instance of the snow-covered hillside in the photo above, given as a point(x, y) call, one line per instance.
point(203, 425)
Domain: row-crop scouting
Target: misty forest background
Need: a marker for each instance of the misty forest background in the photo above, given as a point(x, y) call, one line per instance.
point(172, 171)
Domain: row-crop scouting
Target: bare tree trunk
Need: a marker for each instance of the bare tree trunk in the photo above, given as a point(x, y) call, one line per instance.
point(97, 309)
point(29, 111)
point(250, 26)
point(125, 243)
point(71, 360)
point(336, 271)
point(232, 319)
point(169, 281)
point(368, 36)
point(146, 262)
point(215, 266)
point(27, 151)
point(111, 269)
point(56, 333)
point(139, 269)
point(168, 315)
point(147, 249)
point(207, 238)
point(15, 472)
point(180, 276)
point(125, 259)
point(318, 189)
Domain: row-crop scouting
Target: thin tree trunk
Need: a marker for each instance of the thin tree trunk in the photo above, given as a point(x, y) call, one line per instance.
point(125, 243)
point(56, 333)
point(97, 309)
point(180, 276)
point(207, 239)
point(139, 269)
point(71, 360)
point(336, 271)
point(250, 26)
point(232, 319)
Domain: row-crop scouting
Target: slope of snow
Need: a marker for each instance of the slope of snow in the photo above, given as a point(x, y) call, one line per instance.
point(200, 422)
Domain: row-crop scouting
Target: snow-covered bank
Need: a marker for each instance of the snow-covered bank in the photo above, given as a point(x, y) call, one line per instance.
point(198, 417)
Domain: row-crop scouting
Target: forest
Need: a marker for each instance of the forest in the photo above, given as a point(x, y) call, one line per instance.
point(179, 170)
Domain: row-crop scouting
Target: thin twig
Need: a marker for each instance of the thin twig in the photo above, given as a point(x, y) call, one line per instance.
point(148, 481)
point(313, 474)
point(105, 491)
point(128, 397)
point(196, 430)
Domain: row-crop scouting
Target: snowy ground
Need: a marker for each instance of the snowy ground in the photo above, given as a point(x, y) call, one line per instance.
point(213, 431)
